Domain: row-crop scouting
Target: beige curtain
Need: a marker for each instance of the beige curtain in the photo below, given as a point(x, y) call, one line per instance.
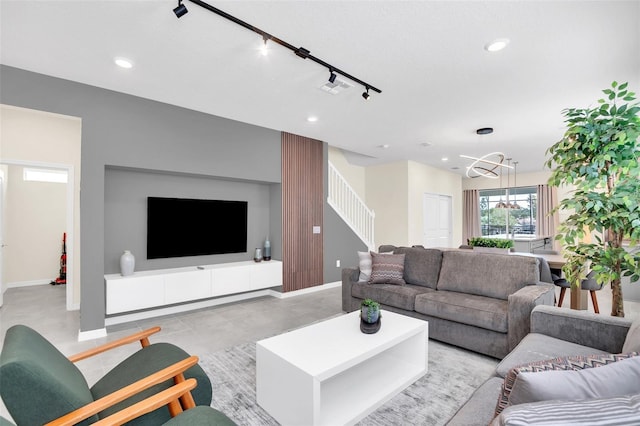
point(471, 214)
point(547, 223)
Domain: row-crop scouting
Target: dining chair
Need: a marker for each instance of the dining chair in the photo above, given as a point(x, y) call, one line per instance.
point(556, 276)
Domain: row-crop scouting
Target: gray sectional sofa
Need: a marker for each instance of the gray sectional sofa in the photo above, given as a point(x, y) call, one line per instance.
point(477, 301)
point(557, 332)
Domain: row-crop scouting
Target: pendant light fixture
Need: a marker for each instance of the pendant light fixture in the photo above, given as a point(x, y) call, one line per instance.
point(507, 204)
point(501, 204)
point(515, 186)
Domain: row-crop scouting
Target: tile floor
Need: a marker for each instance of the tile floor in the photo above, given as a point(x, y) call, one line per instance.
point(198, 332)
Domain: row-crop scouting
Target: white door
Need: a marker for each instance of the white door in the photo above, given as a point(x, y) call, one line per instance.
point(437, 220)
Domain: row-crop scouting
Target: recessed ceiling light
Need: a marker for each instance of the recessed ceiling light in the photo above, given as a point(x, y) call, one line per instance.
point(123, 63)
point(496, 45)
point(445, 158)
point(312, 119)
point(385, 146)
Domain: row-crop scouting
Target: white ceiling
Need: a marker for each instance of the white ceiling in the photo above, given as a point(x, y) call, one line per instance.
point(438, 83)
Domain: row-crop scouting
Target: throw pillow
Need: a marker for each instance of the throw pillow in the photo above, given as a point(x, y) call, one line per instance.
point(562, 363)
point(632, 341)
point(387, 269)
point(616, 379)
point(610, 411)
point(364, 265)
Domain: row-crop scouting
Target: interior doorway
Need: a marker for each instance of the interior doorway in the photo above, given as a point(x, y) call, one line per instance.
point(17, 169)
point(438, 220)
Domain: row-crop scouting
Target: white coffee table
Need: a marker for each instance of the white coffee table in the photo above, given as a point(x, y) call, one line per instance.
point(330, 373)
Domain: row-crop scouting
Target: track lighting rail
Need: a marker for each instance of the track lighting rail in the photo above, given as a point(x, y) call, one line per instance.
point(299, 51)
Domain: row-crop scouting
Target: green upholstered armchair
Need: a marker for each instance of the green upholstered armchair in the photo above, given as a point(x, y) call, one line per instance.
point(39, 385)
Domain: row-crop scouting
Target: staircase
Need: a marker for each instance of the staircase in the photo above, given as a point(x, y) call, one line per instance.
point(350, 207)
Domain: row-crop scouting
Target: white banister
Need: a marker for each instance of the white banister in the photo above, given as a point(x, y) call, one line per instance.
point(350, 207)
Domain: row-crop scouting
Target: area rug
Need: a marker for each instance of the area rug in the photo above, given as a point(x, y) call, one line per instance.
point(453, 375)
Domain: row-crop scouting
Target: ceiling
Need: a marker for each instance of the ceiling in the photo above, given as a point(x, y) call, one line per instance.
point(438, 82)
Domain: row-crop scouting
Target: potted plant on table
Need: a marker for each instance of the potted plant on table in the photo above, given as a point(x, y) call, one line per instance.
point(599, 155)
point(370, 311)
point(369, 316)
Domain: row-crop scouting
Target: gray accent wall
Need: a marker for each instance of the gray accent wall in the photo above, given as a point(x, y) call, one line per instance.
point(125, 221)
point(123, 132)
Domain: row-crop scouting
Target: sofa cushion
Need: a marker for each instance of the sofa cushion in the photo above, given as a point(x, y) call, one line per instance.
point(421, 266)
point(555, 364)
point(387, 268)
point(402, 297)
point(615, 379)
point(539, 347)
point(386, 248)
point(632, 341)
point(484, 274)
point(479, 311)
point(603, 411)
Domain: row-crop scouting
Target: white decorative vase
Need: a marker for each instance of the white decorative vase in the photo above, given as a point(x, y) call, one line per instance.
point(127, 263)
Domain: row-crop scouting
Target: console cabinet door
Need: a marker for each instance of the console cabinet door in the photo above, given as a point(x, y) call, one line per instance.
point(134, 293)
point(185, 286)
point(265, 275)
point(230, 279)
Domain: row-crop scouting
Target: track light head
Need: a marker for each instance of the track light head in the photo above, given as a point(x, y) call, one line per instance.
point(180, 10)
point(332, 76)
point(365, 95)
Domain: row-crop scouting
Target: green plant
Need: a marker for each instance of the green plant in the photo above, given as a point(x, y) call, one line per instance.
point(372, 307)
point(490, 242)
point(599, 155)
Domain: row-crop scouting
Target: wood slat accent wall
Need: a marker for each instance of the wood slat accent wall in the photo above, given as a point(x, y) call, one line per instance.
point(302, 209)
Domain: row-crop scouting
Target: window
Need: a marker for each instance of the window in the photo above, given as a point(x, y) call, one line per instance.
point(508, 221)
point(45, 175)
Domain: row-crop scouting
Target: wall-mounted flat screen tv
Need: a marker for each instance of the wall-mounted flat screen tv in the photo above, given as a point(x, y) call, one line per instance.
point(178, 227)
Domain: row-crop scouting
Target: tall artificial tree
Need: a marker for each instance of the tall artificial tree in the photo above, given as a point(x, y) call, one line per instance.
point(599, 156)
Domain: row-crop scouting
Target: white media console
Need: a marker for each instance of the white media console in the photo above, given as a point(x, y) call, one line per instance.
point(163, 287)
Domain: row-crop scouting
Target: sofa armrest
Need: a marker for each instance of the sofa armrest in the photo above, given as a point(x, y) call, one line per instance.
point(349, 276)
point(597, 331)
point(520, 305)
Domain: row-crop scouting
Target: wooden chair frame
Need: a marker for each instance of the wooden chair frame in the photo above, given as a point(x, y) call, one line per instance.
point(177, 397)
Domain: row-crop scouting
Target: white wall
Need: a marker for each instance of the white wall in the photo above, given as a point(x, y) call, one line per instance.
point(388, 195)
point(424, 179)
point(36, 136)
point(355, 175)
point(395, 192)
point(36, 219)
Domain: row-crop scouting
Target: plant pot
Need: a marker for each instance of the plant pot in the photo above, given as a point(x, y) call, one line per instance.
point(370, 319)
point(494, 250)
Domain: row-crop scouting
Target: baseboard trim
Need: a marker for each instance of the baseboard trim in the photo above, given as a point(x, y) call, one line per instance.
point(92, 334)
point(307, 290)
point(27, 283)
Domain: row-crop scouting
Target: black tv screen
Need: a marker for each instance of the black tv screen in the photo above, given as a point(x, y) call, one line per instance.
point(178, 227)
